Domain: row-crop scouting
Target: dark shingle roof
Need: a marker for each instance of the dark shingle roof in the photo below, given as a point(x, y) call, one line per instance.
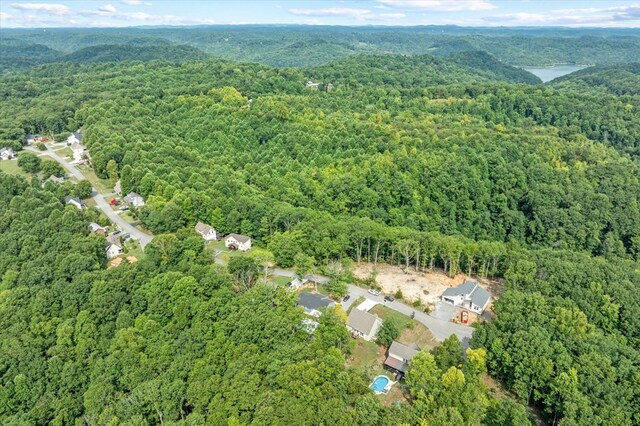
point(314, 301)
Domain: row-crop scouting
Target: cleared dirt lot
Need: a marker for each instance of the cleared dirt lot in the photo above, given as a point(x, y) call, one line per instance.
point(426, 286)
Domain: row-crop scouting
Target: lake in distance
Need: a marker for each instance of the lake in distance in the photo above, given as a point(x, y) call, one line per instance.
point(549, 73)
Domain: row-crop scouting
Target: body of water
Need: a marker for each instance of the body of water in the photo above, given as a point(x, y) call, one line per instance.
point(549, 73)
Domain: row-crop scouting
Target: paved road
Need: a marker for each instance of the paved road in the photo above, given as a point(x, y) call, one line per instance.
point(441, 328)
point(101, 203)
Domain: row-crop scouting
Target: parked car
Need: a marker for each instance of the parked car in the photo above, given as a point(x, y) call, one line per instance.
point(389, 299)
point(374, 292)
point(123, 208)
point(347, 297)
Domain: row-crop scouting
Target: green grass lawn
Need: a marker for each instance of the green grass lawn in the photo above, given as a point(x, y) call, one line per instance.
point(280, 280)
point(103, 186)
point(366, 356)
point(64, 152)
point(11, 167)
point(128, 217)
point(132, 248)
point(398, 319)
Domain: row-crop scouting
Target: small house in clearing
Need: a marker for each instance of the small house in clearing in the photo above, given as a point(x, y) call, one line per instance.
point(55, 179)
point(75, 201)
point(75, 137)
point(79, 151)
point(399, 357)
point(363, 324)
point(238, 242)
point(97, 229)
point(468, 295)
point(113, 247)
point(7, 154)
point(207, 232)
point(313, 302)
point(134, 199)
point(295, 282)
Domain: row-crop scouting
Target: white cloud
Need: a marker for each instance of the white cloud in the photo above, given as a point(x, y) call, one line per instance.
point(392, 15)
point(600, 17)
point(440, 5)
point(108, 8)
point(343, 12)
point(358, 14)
point(131, 2)
point(5, 16)
point(48, 8)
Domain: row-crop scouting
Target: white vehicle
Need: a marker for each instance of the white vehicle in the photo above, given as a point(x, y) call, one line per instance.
point(374, 292)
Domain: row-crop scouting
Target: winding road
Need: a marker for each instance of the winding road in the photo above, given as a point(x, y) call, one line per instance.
point(101, 203)
point(440, 328)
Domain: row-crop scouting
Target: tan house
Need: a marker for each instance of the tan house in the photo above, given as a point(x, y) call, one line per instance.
point(207, 232)
point(363, 324)
point(399, 357)
point(238, 242)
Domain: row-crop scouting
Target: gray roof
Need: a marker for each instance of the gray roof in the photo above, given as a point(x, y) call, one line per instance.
point(314, 301)
point(239, 238)
point(78, 135)
point(465, 288)
point(362, 321)
point(480, 297)
point(471, 290)
point(114, 240)
point(403, 351)
point(56, 179)
point(69, 199)
point(203, 228)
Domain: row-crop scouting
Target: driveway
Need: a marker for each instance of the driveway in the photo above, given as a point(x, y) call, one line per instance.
point(440, 328)
point(101, 203)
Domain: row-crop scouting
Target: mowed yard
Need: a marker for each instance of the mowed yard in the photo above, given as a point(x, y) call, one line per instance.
point(368, 357)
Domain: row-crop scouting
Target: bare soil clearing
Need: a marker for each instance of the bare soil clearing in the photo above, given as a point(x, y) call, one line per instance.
point(418, 285)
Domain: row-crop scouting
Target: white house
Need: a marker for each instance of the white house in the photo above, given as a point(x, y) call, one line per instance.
point(363, 324)
point(7, 154)
point(76, 202)
point(313, 84)
point(134, 199)
point(75, 137)
point(117, 188)
point(399, 357)
point(295, 282)
point(97, 229)
point(313, 302)
point(238, 242)
point(54, 179)
point(113, 246)
point(79, 151)
point(468, 295)
point(206, 231)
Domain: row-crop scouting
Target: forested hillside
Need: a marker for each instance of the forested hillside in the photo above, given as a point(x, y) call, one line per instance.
point(295, 46)
point(616, 80)
point(434, 162)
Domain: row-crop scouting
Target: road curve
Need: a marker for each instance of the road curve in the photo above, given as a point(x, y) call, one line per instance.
point(101, 203)
point(440, 328)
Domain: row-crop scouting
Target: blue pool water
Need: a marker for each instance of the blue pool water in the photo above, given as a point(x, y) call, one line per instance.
point(380, 383)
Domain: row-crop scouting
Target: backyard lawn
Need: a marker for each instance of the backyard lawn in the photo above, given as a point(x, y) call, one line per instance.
point(280, 280)
point(11, 167)
point(64, 152)
point(133, 248)
point(411, 331)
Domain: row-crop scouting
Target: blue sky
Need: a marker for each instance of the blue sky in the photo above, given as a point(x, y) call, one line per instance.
point(118, 13)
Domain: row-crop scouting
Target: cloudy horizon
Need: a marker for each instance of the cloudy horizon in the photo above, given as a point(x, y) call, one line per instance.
point(469, 13)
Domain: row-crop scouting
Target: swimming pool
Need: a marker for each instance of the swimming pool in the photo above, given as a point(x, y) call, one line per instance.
point(380, 384)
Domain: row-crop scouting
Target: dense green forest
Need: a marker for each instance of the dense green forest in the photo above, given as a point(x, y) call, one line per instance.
point(461, 163)
point(286, 46)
